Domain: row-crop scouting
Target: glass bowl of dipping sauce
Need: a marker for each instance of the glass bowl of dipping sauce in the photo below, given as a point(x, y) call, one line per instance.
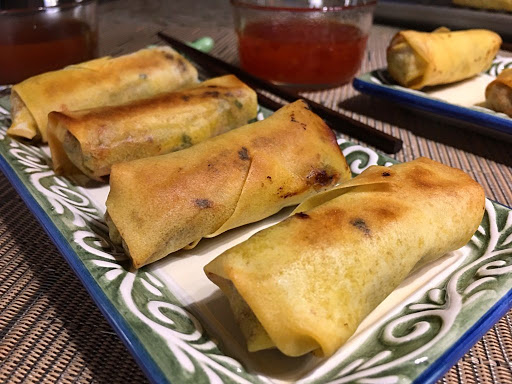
point(38, 36)
point(305, 44)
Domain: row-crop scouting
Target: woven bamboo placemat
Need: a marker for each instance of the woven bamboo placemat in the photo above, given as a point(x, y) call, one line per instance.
point(51, 331)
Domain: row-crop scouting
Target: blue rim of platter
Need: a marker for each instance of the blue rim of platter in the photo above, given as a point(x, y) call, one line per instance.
point(151, 369)
point(480, 121)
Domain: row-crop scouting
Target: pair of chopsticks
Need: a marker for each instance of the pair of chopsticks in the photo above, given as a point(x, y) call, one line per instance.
point(337, 121)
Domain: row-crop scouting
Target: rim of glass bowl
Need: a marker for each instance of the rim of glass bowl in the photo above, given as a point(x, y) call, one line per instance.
point(43, 8)
point(328, 8)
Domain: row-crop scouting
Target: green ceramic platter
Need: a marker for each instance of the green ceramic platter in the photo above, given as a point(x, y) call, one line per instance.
point(180, 329)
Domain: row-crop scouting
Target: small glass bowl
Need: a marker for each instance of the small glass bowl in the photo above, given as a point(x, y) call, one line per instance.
point(306, 44)
point(45, 36)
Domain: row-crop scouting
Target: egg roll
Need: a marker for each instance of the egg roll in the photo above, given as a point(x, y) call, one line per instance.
point(419, 59)
point(100, 82)
point(499, 5)
point(161, 204)
point(306, 283)
point(498, 94)
point(90, 141)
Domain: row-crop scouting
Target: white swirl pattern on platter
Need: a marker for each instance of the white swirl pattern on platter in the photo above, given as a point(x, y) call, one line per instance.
point(4, 122)
point(499, 65)
point(187, 348)
point(358, 165)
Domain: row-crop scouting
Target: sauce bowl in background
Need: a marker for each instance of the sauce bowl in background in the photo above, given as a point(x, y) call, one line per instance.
point(40, 36)
point(305, 44)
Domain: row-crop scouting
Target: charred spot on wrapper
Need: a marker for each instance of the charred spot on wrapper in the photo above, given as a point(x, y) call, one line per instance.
point(243, 154)
point(320, 177)
point(386, 174)
point(323, 178)
point(185, 97)
point(203, 203)
point(293, 120)
point(361, 225)
point(213, 94)
point(302, 215)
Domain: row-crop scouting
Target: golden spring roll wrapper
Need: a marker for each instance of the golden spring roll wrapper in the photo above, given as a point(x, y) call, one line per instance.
point(159, 205)
point(306, 283)
point(500, 5)
point(90, 141)
point(100, 82)
point(498, 94)
point(418, 59)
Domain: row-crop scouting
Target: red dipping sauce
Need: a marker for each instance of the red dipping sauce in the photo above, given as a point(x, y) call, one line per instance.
point(44, 38)
point(306, 52)
point(24, 53)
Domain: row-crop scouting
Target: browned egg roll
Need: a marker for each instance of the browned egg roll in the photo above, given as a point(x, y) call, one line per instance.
point(498, 94)
point(100, 82)
point(417, 59)
point(307, 283)
point(161, 204)
point(90, 141)
point(499, 5)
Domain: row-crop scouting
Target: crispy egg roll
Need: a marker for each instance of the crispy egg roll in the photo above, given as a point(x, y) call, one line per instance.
point(417, 59)
point(306, 283)
point(499, 5)
point(498, 94)
point(101, 82)
point(90, 141)
point(161, 204)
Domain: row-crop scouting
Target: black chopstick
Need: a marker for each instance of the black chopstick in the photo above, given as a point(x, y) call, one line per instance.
point(338, 121)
